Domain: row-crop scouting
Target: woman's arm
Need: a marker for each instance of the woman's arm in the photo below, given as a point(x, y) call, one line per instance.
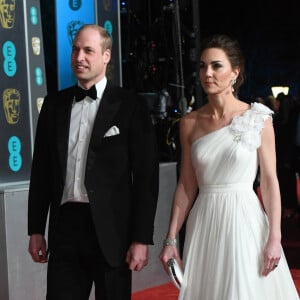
point(185, 192)
point(271, 196)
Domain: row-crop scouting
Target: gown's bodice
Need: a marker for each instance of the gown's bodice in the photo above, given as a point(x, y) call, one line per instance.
point(228, 155)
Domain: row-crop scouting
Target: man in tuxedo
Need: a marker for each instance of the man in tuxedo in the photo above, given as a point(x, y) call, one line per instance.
point(95, 169)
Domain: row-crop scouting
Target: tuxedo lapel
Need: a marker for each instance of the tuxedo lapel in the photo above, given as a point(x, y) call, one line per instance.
point(108, 108)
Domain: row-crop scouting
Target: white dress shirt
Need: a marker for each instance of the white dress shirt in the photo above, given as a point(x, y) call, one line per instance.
point(82, 120)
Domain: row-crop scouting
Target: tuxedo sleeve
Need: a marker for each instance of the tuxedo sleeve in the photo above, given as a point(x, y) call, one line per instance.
point(39, 188)
point(145, 173)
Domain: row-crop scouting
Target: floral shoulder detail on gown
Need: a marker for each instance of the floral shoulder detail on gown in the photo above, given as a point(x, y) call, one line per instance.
point(247, 127)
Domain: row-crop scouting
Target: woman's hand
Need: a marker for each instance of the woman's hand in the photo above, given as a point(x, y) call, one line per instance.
point(272, 254)
point(167, 253)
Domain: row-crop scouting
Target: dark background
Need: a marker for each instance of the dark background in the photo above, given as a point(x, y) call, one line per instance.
point(269, 34)
point(160, 42)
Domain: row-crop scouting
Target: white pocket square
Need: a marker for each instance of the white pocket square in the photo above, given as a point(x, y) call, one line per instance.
point(112, 131)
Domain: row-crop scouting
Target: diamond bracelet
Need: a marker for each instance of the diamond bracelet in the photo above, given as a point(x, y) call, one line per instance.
point(170, 242)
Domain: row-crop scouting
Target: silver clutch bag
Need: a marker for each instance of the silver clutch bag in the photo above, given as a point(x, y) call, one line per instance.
point(175, 272)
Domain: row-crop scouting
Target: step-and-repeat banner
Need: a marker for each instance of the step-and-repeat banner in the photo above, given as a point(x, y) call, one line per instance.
point(22, 70)
point(70, 16)
point(22, 86)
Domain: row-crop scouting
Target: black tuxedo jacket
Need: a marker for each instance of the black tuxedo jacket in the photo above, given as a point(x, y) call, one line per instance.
point(121, 172)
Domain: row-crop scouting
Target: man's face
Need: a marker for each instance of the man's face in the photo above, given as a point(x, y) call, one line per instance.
point(88, 60)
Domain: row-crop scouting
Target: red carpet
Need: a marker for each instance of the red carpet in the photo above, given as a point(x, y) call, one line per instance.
point(163, 292)
point(296, 277)
point(169, 292)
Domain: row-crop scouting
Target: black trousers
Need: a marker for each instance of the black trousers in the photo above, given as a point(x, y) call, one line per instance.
point(76, 261)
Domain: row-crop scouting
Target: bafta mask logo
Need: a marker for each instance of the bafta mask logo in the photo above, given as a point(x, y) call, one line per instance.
point(7, 13)
point(39, 103)
point(106, 5)
point(72, 29)
point(11, 105)
point(75, 4)
point(36, 45)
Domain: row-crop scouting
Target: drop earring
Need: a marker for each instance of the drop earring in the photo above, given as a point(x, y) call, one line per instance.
point(233, 81)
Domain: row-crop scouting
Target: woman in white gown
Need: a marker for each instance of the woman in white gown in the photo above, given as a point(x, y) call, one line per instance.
point(232, 248)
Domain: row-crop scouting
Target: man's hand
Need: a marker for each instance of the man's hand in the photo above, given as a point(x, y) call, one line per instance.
point(137, 256)
point(38, 248)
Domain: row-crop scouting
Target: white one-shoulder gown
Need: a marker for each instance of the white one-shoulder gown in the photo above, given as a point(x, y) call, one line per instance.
point(227, 227)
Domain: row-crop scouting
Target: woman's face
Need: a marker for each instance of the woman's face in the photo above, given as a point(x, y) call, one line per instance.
point(216, 73)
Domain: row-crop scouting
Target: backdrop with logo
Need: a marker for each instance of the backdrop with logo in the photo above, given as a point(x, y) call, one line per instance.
point(22, 86)
point(22, 70)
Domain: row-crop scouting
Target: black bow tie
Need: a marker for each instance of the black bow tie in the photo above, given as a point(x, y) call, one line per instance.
point(81, 93)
